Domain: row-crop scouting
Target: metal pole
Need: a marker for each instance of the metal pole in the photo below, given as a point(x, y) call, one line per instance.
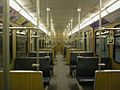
point(99, 35)
point(71, 25)
point(110, 28)
point(38, 18)
point(48, 10)
point(79, 12)
point(51, 21)
point(22, 28)
point(48, 23)
point(44, 41)
point(6, 54)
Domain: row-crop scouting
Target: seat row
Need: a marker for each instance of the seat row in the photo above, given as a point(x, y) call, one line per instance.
point(73, 59)
point(86, 67)
point(30, 63)
point(83, 65)
point(45, 64)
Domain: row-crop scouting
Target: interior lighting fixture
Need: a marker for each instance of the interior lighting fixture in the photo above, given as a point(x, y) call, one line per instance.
point(17, 7)
point(109, 9)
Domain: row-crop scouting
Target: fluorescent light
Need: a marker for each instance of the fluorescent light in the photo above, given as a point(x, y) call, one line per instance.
point(104, 13)
point(43, 28)
point(14, 5)
point(48, 9)
point(114, 7)
point(33, 21)
point(25, 14)
point(95, 17)
point(85, 21)
point(88, 23)
point(79, 9)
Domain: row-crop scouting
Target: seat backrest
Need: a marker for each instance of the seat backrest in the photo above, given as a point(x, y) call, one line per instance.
point(41, 54)
point(65, 51)
point(45, 65)
point(24, 80)
point(73, 58)
point(86, 54)
point(51, 57)
point(86, 66)
point(24, 63)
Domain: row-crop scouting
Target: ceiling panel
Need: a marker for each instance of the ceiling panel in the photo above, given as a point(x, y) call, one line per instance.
point(113, 17)
point(62, 11)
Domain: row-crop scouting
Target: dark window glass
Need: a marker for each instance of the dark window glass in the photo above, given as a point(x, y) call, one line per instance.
point(21, 45)
point(117, 47)
point(104, 45)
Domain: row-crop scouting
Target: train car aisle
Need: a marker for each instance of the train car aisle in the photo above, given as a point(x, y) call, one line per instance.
point(61, 79)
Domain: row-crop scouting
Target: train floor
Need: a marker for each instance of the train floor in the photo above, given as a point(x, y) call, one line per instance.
point(61, 80)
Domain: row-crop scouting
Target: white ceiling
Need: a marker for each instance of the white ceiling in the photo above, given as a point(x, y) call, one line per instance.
point(62, 11)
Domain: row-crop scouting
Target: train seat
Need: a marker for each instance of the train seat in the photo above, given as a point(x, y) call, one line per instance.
point(73, 63)
point(86, 67)
point(46, 68)
point(27, 63)
point(43, 54)
point(73, 59)
point(24, 63)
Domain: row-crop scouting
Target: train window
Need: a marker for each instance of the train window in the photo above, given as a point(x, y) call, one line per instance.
point(76, 43)
point(117, 47)
point(21, 44)
point(104, 46)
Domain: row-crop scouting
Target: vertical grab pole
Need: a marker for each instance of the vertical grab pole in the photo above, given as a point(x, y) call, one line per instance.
point(6, 54)
point(38, 18)
point(71, 25)
point(48, 25)
point(79, 21)
point(100, 7)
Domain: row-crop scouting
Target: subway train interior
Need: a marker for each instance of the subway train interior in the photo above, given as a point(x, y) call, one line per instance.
point(59, 44)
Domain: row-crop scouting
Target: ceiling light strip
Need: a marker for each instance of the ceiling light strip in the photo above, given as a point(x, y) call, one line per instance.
point(94, 18)
point(16, 6)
